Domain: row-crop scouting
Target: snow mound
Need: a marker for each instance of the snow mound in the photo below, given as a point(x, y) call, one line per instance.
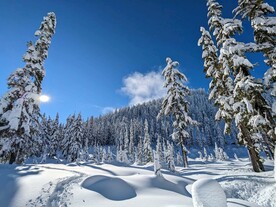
point(111, 188)
point(255, 189)
point(267, 196)
point(208, 193)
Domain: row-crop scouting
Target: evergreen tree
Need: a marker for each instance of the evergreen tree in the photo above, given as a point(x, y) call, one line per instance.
point(19, 107)
point(205, 158)
point(257, 12)
point(139, 152)
point(175, 104)
point(54, 137)
point(76, 139)
point(44, 134)
point(85, 139)
point(200, 155)
point(170, 157)
point(131, 141)
point(244, 100)
point(157, 165)
point(72, 143)
point(126, 138)
point(66, 142)
point(119, 154)
point(221, 86)
point(178, 159)
point(147, 151)
point(159, 150)
point(109, 155)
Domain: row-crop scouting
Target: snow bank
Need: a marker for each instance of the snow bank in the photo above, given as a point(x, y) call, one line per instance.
point(208, 193)
point(112, 188)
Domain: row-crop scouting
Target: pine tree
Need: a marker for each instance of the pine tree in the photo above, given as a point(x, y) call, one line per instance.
point(109, 156)
point(216, 151)
point(85, 141)
point(205, 158)
point(76, 139)
point(170, 157)
point(159, 150)
point(244, 100)
point(119, 154)
point(66, 142)
point(139, 152)
point(131, 141)
point(213, 70)
point(200, 155)
point(54, 137)
point(126, 138)
point(147, 151)
point(164, 146)
point(19, 107)
point(44, 134)
point(179, 160)
point(157, 165)
point(265, 37)
point(104, 158)
point(72, 144)
point(174, 104)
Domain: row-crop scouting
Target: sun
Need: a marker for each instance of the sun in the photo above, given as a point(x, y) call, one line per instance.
point(44, 98)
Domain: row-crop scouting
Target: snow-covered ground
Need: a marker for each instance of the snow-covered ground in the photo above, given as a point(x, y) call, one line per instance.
point(115, 185)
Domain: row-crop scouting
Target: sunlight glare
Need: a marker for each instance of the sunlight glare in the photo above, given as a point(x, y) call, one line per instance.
point(44, 98)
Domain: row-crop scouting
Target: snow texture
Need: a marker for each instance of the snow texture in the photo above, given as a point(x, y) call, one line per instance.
point(116, 185)
point(208, 193)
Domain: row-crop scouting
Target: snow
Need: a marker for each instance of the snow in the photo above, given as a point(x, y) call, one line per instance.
point(99, 183)
point(275, 162)
point(118, 185)
point(208, 193)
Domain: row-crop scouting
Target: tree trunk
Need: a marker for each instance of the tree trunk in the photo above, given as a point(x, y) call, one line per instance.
point(184, 154)
point(253, 152)
point(12, 158)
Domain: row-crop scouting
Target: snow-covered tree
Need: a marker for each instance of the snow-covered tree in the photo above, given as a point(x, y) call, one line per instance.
point(109, 156)
point(119, 154)
point(54, 137)
point(126, 138)
point(87, 135)
point(72, 143)
point(211, 158)
point(242, 97)
point(176, 105)
point(122, 155)
point(139, 152)
point(157, 165)
point(179, 160)
point(200, 155)
point(169, 156)
point(220, 81)
point(216, 151)
point(220, 154)
point(264, 26)
point(19, 107)
point(205, 158)
point(76, 138)
point(147, 151)
point(159, 150)
point(104, 158)
point(131, 141)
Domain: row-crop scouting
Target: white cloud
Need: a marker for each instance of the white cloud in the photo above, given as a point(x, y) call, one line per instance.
point(143, 87)
point(107, 109)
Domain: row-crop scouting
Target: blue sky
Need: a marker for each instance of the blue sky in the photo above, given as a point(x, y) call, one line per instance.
point(107, 53)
